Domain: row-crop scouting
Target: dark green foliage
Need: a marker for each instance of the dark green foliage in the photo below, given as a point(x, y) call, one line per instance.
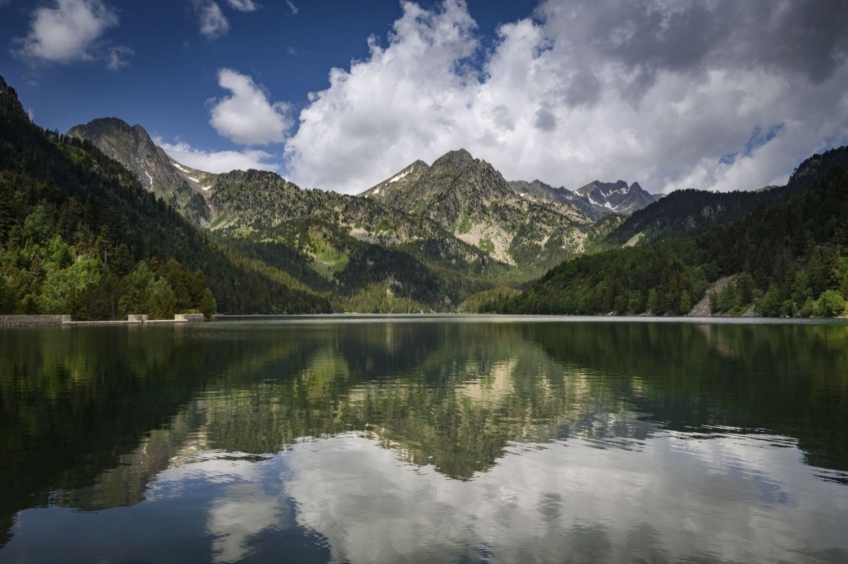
point(784, 258)
point(407, 277)
point(692, 212)
point(830, 304)
point(74, 223)
point(770, 304)
point(735, 297)
point(651, 279)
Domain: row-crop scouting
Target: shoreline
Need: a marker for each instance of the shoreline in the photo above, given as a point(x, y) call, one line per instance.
point(42, 321)
point(26, 321)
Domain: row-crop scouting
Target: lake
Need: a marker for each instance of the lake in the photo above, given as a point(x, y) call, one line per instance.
point(458, 439)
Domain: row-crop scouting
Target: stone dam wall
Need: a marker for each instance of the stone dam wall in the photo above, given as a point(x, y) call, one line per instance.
point(33, 320)
point(19, 321)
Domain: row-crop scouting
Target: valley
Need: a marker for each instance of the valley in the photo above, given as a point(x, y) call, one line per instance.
point(451, 236)
point(426, 239)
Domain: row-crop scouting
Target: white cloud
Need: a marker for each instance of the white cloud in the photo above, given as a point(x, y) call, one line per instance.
point(654, 92)
point(247, 117)
point(218, 161)
point(242, 5)
point(66, 31)
point(539, 504)
point(213, 23)
point(292, 7)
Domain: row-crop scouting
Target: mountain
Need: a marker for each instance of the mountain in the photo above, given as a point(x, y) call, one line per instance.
point(691, 212)
point(311, 235)
point(346, 243)
point(617, 197)
point(469, 198)
point(178, 185)
point(457, 215)
point(391, 192)
point(787, 259)
point(79, 234)
point(541, 192)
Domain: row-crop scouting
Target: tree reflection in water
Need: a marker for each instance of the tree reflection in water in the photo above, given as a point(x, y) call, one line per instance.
point(394, 440)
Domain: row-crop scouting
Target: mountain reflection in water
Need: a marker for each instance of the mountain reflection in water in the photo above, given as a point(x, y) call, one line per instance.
point(416, 441)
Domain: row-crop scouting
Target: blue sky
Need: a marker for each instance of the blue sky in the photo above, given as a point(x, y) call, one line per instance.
point(287, 47)
point(568, 91)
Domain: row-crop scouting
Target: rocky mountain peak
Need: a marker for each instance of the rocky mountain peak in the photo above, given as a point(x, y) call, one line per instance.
point(184, 188)
point(616, 196)
point(458, 159)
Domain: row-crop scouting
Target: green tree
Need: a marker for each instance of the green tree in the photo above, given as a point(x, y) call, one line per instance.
point(621, 304)
point(207, 304)
point(714, 302)
point(62, 285)
point(801, 291)
point(685, 302)
point(745, 284)
point(635, 305)
point(160, 300)
point(830, 304)
point(729, 299)
point(36, 226)
point(769, 305)
point(653, 301)
point(7, 297)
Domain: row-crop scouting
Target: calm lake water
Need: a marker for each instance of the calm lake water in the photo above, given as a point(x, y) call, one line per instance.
point(428, 440)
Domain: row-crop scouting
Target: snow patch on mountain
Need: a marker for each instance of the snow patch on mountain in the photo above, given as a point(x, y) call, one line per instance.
point(397, 177)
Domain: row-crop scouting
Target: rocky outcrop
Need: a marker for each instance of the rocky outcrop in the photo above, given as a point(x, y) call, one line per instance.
point(560, 198)
point(617, 197)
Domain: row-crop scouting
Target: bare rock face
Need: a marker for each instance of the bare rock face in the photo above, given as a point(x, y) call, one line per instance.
point(180, 186)
point(617, 197)
point(558, 197)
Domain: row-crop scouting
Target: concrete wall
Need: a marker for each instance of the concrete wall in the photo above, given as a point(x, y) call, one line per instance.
point(190, 317)
point(56, 320)
point(33, 320)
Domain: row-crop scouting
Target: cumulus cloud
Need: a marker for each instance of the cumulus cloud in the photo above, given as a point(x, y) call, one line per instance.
point(213, 23)
point(66, 31)
point(218, 161)
point(660, 92)
point(247, 117)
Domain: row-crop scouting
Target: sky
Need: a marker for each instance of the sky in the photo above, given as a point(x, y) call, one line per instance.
point(342, 94)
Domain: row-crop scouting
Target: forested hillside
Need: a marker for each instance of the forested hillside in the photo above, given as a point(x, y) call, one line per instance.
point(371, 254)
point(80, 235)
point(786, 260)
point(692, 212)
